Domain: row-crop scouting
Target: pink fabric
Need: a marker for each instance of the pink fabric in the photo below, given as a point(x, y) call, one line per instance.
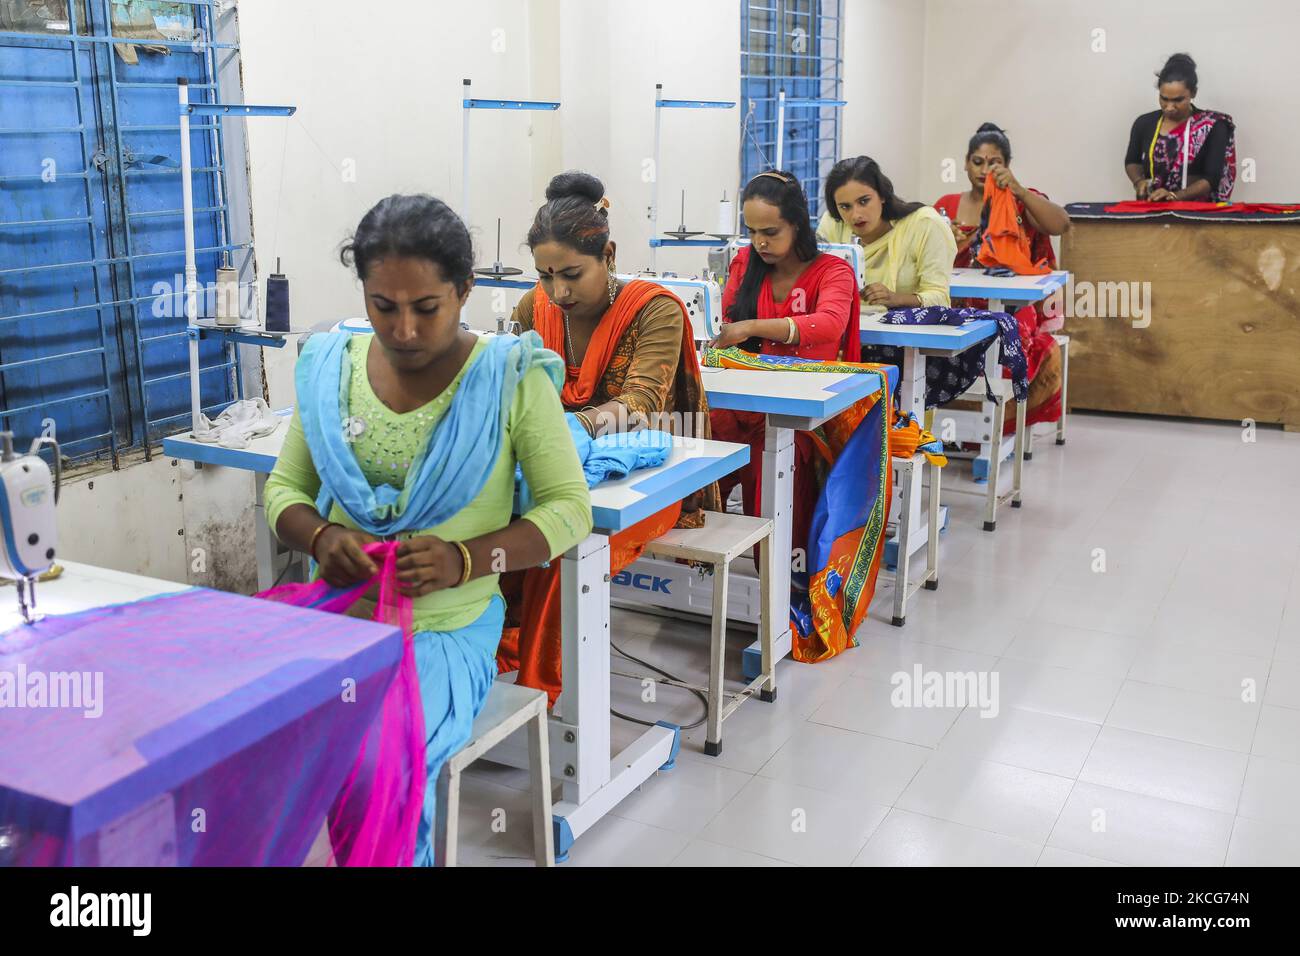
point(218, 733)
point(375, 817)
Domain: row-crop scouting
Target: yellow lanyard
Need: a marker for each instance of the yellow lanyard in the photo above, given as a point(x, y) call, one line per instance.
point(1151, 150)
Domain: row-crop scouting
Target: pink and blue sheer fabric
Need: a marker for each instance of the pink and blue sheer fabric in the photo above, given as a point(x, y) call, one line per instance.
point(385, 811)
point(224, 735)
point(374, 820)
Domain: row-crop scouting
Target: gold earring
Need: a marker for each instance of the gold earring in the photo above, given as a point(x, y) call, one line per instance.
point(613, 285)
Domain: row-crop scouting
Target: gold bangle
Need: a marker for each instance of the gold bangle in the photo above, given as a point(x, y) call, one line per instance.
point(311, 545)
point(467, 564)
point(789, 339)
point(586, 423)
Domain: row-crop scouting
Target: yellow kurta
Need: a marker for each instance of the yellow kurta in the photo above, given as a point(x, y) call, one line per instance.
point(914, 257)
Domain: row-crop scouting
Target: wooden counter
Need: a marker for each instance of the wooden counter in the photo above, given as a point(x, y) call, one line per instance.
point(1224, 335)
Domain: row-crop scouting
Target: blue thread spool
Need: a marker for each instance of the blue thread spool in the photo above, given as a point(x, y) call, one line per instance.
point(277, 301)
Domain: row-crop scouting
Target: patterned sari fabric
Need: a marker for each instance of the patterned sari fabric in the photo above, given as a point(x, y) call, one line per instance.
point(531, 640)
point(946, 381)
point(1167, 159)
point(845, 539)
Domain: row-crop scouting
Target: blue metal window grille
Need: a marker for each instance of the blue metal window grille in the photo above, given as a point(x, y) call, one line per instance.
point(92, 327)
point(795, 45)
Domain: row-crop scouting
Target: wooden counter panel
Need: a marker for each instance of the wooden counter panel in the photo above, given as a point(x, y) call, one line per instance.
point(1224, 334)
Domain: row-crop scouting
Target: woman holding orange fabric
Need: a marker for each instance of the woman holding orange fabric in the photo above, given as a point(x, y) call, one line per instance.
point(989, 154)
point(630, 363)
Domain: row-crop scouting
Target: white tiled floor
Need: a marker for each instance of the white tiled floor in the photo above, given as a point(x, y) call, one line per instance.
point(1148, 713)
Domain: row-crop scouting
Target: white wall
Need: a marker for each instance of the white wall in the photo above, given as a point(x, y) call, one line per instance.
point(1032, 69)
point(884, 83)
point(379, 112)
point(692, 48)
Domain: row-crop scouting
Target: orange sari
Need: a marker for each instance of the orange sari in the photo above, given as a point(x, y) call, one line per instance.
point(531, 640)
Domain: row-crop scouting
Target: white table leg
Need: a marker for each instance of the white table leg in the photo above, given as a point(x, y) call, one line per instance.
point(1017, 469)
point(1064, 342)
point(584, 702)
point(911, 476)
point(991, 444)
point(932, 542)
point(593, 782)
point(991, 498)
point(777, 504)
point(717, 652)
point(768, 626)
point(911, 393)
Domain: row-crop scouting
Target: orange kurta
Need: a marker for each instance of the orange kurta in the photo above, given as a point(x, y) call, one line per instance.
point(531, 641)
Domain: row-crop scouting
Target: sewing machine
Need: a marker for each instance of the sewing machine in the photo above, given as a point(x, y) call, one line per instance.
point(702, 296)
point(28, 494)
point(850, 252)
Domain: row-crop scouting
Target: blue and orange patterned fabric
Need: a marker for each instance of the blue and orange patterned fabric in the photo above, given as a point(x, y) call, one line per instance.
point(831, 593)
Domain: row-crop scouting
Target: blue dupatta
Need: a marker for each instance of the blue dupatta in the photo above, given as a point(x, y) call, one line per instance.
point(455, 463)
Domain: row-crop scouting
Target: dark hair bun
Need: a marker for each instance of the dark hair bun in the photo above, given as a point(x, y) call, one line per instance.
point(575, 185)
point(990, 128)
point(1179, 68)
point(571, 215)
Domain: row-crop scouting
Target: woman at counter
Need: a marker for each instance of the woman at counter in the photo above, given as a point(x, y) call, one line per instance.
point(1179, 152)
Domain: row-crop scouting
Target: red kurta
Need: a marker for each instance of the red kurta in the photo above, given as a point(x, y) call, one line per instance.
point(1038, 343)
point(824, 305)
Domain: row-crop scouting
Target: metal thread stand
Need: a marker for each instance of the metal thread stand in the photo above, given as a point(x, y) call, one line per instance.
point(782, 104)
point(662, 104)
point(468, 104)
point(193, 331)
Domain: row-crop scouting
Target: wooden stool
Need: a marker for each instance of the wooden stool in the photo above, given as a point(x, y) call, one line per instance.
point(724, 538)
point(508, 708)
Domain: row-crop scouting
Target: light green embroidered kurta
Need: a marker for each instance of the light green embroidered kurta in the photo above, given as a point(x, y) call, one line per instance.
point(386, 443)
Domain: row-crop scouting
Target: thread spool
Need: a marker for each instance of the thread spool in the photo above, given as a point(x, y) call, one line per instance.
point(277, 301)
point(726, 216)
point(227, 295)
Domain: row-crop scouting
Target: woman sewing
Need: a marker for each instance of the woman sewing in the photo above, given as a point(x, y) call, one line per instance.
point(630, 361)
point(1179, 152)
point(783, 297)
point(389, 439)
point(989, 154)
point(907, 248)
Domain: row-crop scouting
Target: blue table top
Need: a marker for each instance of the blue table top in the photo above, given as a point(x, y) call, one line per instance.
point(615, 505)
point(199, 676)
point(974, 284)
point(950, 339)
point(814, 396)
point(692, 465)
